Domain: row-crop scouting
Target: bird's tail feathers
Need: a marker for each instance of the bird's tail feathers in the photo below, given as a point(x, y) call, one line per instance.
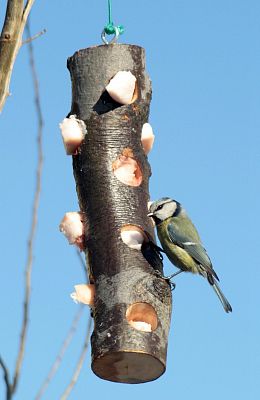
point(226, 305)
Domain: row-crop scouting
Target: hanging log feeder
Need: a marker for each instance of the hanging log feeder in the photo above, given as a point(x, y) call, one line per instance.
point(132, 306)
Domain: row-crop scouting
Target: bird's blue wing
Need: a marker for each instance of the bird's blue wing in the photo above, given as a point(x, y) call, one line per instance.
point(199, 254)
point(195, 250)
point(177, 237)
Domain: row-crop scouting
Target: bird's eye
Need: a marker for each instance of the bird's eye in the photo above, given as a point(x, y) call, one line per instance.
point(160, 207)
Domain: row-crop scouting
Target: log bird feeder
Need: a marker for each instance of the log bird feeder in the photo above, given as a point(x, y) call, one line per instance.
point(109, 143)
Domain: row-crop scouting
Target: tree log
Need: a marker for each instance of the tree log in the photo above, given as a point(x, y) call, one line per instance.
point(128, 290)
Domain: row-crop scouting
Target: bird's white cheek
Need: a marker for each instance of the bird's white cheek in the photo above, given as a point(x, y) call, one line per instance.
point(148, 208)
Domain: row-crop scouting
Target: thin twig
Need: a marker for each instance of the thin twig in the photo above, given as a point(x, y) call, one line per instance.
point(6, 379)
point(11, 41)
point(61, 353)
point(82, 262)
point(34, 37)
point(79, 365)
point(66, 342)
point(31, 240)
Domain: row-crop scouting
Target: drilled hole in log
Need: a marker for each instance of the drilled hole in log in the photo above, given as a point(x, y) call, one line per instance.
point(127, 170)
point(105, 104)
point(133, 236)
point(142, 317)
point(135, 95)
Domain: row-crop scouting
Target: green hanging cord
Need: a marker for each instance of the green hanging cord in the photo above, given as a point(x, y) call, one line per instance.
point(110, 28)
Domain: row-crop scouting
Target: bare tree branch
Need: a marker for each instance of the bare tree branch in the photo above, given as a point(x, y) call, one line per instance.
point(82, 262)
point(34, 36)
point(6, 379)
point(61, 353)
point(11, 41)
point(26, 12)
point(31, 240)
point(66, 342)
point(79, 365)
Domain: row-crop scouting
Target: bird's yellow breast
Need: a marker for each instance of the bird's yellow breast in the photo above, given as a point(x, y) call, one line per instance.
point(178, 256)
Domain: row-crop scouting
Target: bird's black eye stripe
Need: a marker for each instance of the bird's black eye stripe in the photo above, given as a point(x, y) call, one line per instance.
point(160, 207)
point(178, 209)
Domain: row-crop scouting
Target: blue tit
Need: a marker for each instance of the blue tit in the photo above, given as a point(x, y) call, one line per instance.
point(181, 243)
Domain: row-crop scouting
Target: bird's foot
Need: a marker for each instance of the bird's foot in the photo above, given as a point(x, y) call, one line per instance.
point(166, 278)
point(173, 275)
point(159, 274)
point(172, 285)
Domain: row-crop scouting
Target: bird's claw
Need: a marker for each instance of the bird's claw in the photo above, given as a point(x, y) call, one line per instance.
point(166, 278)
point(172, 285)
point(158, 273)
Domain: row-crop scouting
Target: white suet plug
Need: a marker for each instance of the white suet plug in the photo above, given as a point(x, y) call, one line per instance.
point(147, 137)
point(84, 293)
point(132, 236)
point(122, 87)
point(72, 226)
point(73, 131)
point(141, 326)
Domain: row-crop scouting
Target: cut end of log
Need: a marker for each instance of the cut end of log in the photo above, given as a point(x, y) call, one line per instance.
point(128, 367)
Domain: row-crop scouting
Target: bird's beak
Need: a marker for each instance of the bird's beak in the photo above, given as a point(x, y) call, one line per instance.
point(150, 214)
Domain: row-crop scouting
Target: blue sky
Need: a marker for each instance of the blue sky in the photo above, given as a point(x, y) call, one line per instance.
point(204, 59)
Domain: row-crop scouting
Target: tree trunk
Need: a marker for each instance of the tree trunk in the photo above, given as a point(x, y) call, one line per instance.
point(128, 290)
